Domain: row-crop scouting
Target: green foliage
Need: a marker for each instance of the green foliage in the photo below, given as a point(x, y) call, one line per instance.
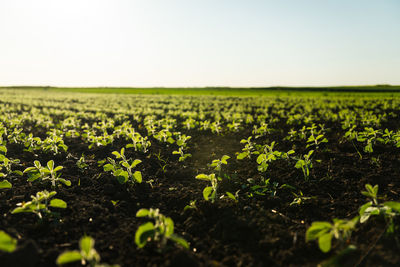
point(123, 170)
point(217, 163)
point(49, 172)
point(209, 192)
point(326, 231)
point(40, 204)
point(305, 164)
point(388, 210)
point(160, 231)
point(86, 255)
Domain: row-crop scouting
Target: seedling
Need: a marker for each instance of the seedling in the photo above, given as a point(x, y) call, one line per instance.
point(325, 231)
point(86, 255)
point(299, 199)
point(305, 164)
point(6, 166)
point(46, 173)
point(40, 204)
point(209, 192)
point(191, 206)
point(160, 231)
point(182, 155)
point(388, 209)
point(81, 163)
point(247, 150)
point(217, 163)
point(123, 170)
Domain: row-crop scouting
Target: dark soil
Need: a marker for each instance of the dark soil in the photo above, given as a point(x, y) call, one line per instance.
point(262, 230)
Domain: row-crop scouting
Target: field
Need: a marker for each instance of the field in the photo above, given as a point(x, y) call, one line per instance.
point(254, 178)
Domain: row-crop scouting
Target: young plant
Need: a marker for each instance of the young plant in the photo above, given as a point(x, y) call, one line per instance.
point(40, 204)
point(86, 255)
point(81, 163)
point(299, 198)
point(217, 163)
point(123, 170)
point(325, 231)
point(46, 173)
point(388, 209)
point(160, 231)
point(182, 155)
point(247, 150)
point(209, 192)
point(305, 164)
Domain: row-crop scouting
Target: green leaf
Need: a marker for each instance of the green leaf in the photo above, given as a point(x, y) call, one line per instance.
point(242, 155)
point(224, 158)
point(203, 176)
point(299, 164)
point(125, 164)
point(135, 162)
point(169, 226)
point(58, 168)
point(122, 176)
point(33, 177)
point(393, 205)
point(50, 164)
point(179, 240)
point(317, 229)
point(86, 244)
point(108, 167)
point(116, 154)
point(206, 192)
point(7, 243)
point(58, 203)
point(5, 184)
point(144, 233)
point(68, 257)
point(364, 207)
point(18, 173)
point(261, 158)
point(138, 176)
point(324, 242)
point(64, 181)
point(231, 196)
point(142, 213)
point(20, 210)
point(37, 164)
point(3, 149)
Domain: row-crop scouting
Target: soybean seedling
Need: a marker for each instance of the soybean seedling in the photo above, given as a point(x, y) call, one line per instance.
point(123, 170)
point(217, 163)
point(209, 192)
point(46, 173)
point(40, 204)
point(81, 163)
point(86, 255)
point(305, 164)
point(160, 231)
point(182, 155)
point(388, 209)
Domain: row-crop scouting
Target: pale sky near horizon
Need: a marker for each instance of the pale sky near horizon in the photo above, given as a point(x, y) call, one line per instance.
point(191, 43)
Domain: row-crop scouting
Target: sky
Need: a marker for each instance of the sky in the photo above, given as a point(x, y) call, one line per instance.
point(195, 43)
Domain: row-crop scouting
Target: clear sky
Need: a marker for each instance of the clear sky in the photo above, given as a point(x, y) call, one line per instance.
point(191, 43)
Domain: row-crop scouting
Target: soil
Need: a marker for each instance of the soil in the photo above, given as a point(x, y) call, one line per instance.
point(258, 230)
